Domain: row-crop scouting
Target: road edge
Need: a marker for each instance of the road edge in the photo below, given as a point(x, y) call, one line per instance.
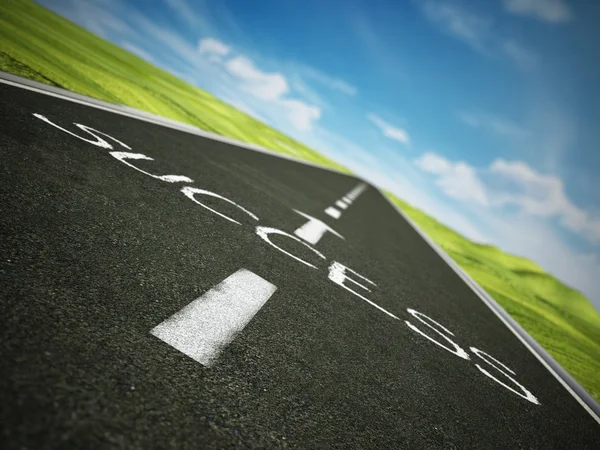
point(567, 381)
point(124, 110)
point(588, 402)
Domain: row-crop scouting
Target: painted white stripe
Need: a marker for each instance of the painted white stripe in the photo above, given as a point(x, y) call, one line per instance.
point(354, 193)
point(190, 192)
point(203, 328)
point(333, 212)
point(99, 142)
point(122, 156)
point(313, 230)
point(340, 204)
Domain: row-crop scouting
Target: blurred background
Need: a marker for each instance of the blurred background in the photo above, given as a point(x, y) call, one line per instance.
point(479, 119)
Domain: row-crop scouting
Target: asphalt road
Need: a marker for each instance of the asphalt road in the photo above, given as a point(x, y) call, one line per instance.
point(94, 254)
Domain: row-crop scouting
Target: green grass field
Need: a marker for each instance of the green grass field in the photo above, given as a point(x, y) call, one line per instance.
point(40, 45)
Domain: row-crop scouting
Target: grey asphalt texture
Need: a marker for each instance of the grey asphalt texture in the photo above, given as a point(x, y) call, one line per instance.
point(94, 254)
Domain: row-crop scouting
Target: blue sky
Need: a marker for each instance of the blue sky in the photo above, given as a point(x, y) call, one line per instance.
point(482, 113)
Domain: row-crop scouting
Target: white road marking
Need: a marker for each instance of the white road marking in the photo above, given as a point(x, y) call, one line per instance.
point(99, 142)
point(203, 328)
point(456, 350)
point(340, 204)
point(331, 211)
point(190, 192)
point(264, 233)
point(313, 230)
point(122, 156)
point(495, 363)
point(337, 274)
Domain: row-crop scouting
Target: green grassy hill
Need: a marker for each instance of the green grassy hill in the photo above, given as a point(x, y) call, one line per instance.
point(40, 45)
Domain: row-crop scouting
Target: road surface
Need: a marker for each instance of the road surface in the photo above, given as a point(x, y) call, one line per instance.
point(165, 290)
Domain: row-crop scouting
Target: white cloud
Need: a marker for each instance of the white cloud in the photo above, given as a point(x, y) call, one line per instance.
point(477, 32)
point(235, 75)
point(301, 114)
point(328, 81)
point(213, 47)
point(523, 57)
point(457, 180)
point(272, 88)
point(298, 84)
point(493, 123)
point(458, 22)
point(388, 130)
point(433, 163)
point(511, 184)
point(194, 16)
point(382, 52)
point(550, 11)
point(554, 134)
point(470, 119)
point(266, 86)
point(544, 196)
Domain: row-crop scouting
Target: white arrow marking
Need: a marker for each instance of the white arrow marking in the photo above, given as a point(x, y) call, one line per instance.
point(313, 230)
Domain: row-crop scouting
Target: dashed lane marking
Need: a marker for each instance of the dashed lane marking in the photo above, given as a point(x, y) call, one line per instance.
point(208, 324)
point(335, 213)
point(345, 201)
point(313, 230)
